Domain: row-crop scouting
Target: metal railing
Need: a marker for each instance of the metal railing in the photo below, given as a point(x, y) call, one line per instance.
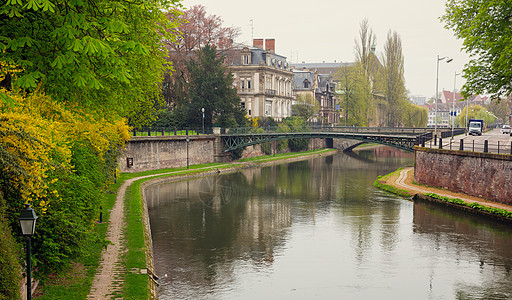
point(484, 146)
point(170, 131)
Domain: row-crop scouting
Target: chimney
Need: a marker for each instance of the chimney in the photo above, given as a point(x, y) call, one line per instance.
point(270, 44)
point(258, 43)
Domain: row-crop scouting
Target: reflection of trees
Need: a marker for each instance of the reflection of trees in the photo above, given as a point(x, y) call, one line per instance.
point(201, 227)
point(476, 240)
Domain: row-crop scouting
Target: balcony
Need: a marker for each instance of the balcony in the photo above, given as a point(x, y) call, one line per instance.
point(270, 92)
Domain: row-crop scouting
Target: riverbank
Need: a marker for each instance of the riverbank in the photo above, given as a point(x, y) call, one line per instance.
point(122, 267)
point(401, 182)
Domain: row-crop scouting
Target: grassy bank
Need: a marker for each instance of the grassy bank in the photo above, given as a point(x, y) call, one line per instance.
point(380, 183)
point(77, 281)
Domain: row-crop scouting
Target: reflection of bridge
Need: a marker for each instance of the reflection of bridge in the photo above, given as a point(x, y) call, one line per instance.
point(402, 138)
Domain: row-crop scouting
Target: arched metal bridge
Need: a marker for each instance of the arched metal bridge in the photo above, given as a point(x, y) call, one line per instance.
point(402, 138)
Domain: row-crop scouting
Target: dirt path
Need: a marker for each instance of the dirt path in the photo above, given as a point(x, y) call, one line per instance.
point(405, 179)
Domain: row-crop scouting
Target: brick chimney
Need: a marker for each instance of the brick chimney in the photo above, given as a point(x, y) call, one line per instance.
point(270, 44)
point(258, 43)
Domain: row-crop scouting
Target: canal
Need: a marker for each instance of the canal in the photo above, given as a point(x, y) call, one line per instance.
point(318, 229)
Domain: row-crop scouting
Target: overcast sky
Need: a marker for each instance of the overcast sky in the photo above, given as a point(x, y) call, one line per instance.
point(325, 30)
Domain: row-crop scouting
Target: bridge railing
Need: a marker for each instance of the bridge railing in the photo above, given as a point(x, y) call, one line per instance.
point(170, 131)
point(320, 128)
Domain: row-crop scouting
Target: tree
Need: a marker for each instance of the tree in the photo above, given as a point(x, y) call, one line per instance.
point(501, 109)
point(484, 27)
point(211, 88)
point(394, 86)
point(197, 29)
point(415, 116)
point(352, 85)
point(102, 55)
point(306, 106)
point(369, 66)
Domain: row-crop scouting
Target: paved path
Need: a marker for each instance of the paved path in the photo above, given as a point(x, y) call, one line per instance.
point(405, 182)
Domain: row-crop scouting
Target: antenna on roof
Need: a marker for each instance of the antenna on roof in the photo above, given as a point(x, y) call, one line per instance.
point(252, 29)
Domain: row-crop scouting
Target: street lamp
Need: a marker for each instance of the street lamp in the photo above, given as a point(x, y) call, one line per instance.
point(28, 226)
point(202, 110)
point(448, 60)
point(453, 103)
point(188, 140)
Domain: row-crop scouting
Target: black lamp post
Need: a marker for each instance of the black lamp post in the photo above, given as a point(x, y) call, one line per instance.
point(202, 110)
point(28, 226)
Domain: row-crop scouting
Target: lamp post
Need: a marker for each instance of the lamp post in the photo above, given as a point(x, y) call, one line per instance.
point(188, 140)
point(28, 226)
point(202, 110)
point(453, 103)
point(448, 60)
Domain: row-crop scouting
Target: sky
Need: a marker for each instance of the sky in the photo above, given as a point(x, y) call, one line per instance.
point(326, 30)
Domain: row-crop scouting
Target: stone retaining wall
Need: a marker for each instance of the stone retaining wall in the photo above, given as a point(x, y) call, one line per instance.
point(160, 152)
point(485, 175)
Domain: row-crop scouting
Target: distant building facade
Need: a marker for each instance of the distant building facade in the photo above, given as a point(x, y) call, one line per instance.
point(450, 106)
point(317, 80)
point(263, 80)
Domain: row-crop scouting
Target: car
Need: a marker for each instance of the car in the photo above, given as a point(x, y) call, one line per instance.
point(505, 129)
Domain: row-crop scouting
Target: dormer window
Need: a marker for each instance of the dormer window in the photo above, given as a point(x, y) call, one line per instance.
point(245, 59)
point(306, 84)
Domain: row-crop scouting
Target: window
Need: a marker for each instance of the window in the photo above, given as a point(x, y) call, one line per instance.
point(268, 108)
point(245, 59)
point(248, 84)
point(243, 104)
point(306, 84)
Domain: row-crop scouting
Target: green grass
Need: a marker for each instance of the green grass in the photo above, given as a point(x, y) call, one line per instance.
point(388, 188)
point(76, 284)
point(279, 156)
point(135, 285)
point(475, 205)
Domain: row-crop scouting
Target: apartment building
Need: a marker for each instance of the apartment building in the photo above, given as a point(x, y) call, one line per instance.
point(263, 79)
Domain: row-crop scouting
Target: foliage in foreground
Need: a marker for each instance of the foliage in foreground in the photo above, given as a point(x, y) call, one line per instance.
point(105, 55)
point(484, 28)
point(60, 160)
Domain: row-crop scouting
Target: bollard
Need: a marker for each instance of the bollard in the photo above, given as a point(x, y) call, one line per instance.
point(486, 146)
point(440, 143)
point(461, 147)
point(435, 140)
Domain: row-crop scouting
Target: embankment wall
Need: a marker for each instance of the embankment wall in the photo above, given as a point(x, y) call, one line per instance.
point(485, 175)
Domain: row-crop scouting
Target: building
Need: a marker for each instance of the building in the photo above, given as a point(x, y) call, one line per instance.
point(448, 110)
point(317, 80)
point(263, 80)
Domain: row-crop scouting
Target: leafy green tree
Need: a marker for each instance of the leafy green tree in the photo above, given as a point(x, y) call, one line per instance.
point(484, 27)
point(103, 55)
point(394, 82)
point(211, 88)
point(306, 106)
point(353, 87)
point(415, 116)
point(501, 109)
point(297, 124)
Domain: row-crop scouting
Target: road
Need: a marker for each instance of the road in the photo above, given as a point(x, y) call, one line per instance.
point(497, 142)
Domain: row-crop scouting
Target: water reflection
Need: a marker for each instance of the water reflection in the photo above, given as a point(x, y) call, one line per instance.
point(316, 229)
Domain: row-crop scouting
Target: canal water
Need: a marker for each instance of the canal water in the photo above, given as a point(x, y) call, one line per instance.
point(318, 229)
